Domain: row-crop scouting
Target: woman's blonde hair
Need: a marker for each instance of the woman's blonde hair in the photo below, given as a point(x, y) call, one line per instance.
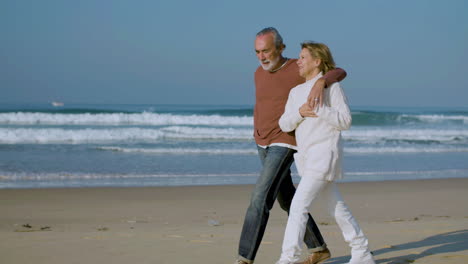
point(322, 52)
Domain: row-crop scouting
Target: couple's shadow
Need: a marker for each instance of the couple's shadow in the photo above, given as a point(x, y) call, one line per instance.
point(438, 244)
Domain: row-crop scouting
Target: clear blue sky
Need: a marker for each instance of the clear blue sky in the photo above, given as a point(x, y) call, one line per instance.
point(396, 53)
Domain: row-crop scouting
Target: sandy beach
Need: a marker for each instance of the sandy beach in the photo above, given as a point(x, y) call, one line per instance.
point(423, 221)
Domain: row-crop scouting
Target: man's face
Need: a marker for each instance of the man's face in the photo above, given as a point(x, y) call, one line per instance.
point(267, 54)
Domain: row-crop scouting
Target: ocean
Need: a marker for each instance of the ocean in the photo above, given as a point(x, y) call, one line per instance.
point(85, 145)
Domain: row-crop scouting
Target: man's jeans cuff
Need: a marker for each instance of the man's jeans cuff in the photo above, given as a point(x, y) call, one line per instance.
point(245, 260)
point(317, 249)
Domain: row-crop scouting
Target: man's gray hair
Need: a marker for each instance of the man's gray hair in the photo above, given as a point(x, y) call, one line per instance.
point(276, 35)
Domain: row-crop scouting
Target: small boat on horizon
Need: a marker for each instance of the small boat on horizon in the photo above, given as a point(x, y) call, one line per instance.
point(57, 104)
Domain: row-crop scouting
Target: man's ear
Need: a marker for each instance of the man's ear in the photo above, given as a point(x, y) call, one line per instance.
point(283, 47)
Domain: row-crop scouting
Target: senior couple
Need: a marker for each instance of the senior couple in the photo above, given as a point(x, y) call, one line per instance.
point(299, 112)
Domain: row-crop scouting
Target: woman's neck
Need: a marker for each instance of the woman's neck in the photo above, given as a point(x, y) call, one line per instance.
point(312, 74)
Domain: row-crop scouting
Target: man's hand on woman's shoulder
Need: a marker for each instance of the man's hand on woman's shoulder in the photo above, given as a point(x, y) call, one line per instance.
point(315, 97)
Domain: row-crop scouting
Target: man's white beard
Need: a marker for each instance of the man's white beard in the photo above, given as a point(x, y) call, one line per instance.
point(271, 64)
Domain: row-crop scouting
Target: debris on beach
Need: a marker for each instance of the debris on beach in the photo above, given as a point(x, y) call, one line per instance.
point(30, 228)
point(213, 222)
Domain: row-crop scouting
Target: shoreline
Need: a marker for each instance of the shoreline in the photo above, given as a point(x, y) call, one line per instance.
point(410, 221)
point(110, 186)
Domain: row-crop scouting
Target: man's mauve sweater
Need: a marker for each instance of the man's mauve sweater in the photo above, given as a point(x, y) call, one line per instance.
point(272, 91)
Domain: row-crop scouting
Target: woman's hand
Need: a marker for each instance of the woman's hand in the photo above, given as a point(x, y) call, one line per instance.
point(306, 111)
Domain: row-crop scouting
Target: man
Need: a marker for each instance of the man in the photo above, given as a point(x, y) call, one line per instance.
point(275, 77)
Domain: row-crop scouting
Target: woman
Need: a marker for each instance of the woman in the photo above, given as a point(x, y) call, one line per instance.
point(318, 158)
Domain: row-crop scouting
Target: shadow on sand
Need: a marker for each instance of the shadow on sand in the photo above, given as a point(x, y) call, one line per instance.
point(438, 244)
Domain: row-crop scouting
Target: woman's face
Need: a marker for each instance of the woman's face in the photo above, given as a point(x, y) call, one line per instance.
point(308, 66)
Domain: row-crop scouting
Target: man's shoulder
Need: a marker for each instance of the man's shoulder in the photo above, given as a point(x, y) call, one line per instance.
point(289, 63)
point(292, 61)
point(288, 75)
point(259, 70)
point(292, 66)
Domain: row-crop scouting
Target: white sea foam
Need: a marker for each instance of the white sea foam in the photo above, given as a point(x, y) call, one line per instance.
point(182, 151)
point(64, 136)
point(207, 132)
point(13, 135)
point(424, 172)
point(99, 176)
point(253, 151)
point(439, 118)
point(150, 118)
point(106, 119)
point(385, 150)
point(374, 135)
point(89, 135)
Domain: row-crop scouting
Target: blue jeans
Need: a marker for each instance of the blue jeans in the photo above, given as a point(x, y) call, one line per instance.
point(274, 182)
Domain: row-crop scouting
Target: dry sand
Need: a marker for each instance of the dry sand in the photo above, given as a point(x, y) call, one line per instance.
point(422, 221)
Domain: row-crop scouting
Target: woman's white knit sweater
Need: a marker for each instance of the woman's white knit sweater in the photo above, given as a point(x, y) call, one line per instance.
point(319, 147)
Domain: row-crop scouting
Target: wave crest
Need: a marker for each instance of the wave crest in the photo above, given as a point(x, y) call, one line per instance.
point(106, 119)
